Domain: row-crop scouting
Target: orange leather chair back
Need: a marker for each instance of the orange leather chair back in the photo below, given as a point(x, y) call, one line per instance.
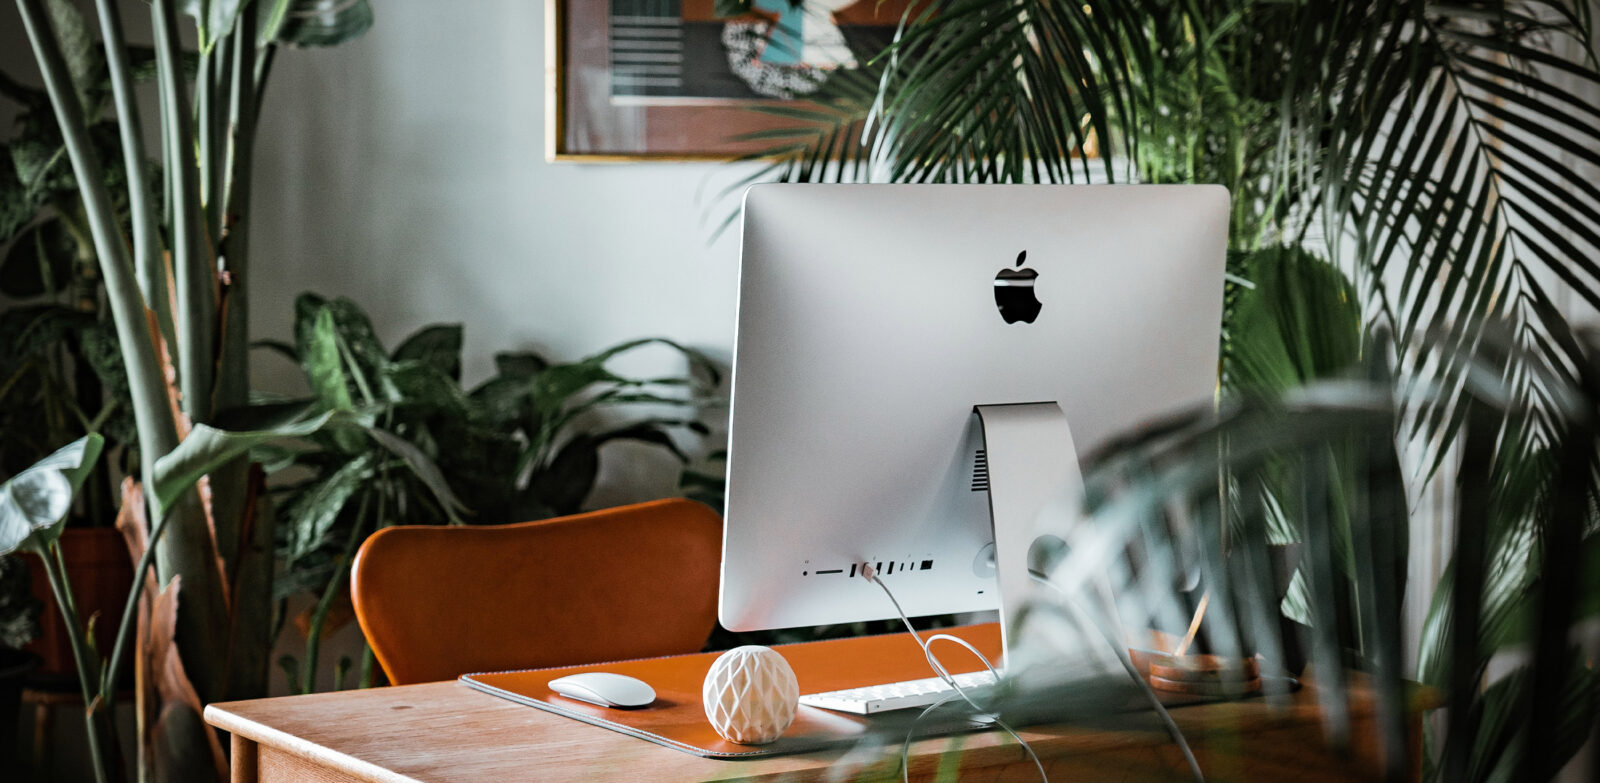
point(631, 582)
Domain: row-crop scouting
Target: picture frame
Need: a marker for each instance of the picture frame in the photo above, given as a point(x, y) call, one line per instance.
point(638, 80)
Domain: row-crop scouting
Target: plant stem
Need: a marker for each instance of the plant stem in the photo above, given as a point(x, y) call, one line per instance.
point(262, 70)
point(157, 431)
point(196, 279)
point(367, 660)
point(205, 86)
point(55, 569)
point(233, 374)
point(325, 604)
point(146, 236)
point(108, 685)
point(56, 573)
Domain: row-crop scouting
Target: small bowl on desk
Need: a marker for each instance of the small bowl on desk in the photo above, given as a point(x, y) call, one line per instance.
point(1205, 675)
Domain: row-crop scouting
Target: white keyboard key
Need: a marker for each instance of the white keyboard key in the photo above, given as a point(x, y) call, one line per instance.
point(895, 695)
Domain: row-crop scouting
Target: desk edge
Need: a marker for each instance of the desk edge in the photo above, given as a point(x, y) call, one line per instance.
point(219, 717)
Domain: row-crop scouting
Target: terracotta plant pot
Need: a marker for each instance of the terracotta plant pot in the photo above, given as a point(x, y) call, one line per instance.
point(1205, 675)
point(100, 573)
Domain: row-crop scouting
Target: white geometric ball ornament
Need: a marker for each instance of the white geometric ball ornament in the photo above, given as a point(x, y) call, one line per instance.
point(750, 695)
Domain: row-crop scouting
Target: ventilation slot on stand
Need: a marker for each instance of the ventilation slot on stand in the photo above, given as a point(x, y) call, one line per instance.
point(980, 471)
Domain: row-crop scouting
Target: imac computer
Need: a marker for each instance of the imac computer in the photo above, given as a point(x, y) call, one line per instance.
point(874, 320)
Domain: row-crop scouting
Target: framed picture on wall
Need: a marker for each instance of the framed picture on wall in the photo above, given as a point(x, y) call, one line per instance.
point(670, 79)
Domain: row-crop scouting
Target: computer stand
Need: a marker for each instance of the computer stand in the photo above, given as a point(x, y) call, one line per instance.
point(1033, 466)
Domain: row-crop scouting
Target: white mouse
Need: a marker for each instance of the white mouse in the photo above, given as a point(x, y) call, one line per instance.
point(605, 689)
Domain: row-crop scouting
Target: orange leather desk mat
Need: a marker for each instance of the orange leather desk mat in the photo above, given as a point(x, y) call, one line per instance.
point(678, 720)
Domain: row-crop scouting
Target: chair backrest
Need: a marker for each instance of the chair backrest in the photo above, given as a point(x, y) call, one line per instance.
point(630, 582)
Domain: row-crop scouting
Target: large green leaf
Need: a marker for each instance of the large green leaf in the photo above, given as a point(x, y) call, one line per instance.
point(324, 363)
point(1299, 321)
point(207, 448)
point(519, 364)
point(35, 502)
point(424, 468)
point(419, 385)
point(318, 506)
point(1502, 732)
point(438, 345)
point(562, 485)
point(321, 22)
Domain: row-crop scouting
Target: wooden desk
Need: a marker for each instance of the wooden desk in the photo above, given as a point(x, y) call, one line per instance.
point(448, 732)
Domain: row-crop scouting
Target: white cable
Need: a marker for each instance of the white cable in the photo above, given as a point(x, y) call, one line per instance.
point(1133, 672)
point(933, 661)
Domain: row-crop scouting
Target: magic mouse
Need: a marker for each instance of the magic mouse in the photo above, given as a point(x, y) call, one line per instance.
point(605, 689)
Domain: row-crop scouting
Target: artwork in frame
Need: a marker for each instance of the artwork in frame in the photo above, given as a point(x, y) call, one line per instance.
point(671, 79)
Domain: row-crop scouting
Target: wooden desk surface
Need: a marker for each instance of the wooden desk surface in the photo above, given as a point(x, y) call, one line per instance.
point(446, 731)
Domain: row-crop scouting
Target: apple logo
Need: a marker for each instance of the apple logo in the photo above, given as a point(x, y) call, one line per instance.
point(1013, 293)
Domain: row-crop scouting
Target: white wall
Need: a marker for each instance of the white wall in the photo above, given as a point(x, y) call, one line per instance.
point(406, 171)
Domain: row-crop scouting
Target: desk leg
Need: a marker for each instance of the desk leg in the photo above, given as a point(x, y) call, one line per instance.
point(245, 760)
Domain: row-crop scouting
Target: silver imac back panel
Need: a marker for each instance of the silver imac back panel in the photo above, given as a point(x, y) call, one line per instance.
point(873, 318)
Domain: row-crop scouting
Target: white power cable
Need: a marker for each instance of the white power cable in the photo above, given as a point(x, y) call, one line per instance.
point(1133, 672)
point(938, 668)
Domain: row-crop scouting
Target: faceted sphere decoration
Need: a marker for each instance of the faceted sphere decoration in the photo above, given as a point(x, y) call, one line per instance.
point(750, 695)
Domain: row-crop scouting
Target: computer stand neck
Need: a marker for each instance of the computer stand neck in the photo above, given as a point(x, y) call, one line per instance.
point(1032, 466)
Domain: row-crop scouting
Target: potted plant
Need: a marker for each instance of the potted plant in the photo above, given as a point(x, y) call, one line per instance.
point(1426, 150)
point(524, 444)
point(61, 375)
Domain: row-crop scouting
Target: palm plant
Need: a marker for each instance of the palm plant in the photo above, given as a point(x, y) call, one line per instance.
point(176, 279)
point(1441, 155)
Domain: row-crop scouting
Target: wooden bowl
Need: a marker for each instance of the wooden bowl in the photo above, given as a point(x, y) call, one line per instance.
point(1206, 687)
point(1204, 668)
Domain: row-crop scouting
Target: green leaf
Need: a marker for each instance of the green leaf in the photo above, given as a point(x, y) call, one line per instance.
point(317, 507)
point(324, 22)
point(519, 364)
point(1299, 323)
point(17, 205)
point(35, 502)
point(142, 64)
point(207, 448)
point(563, 484)
point(417, 384)
point(102, 352)
point(1500, 735)
point(425, 470)
point(84, 58)
point(653, 432)
point(438, 345)
point(270, 17)
point(40, 159)
point(323, 362)
point(505, 401)
point(213, 18)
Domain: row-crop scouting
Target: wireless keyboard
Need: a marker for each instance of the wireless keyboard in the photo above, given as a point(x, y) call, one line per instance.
point(896, 695)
